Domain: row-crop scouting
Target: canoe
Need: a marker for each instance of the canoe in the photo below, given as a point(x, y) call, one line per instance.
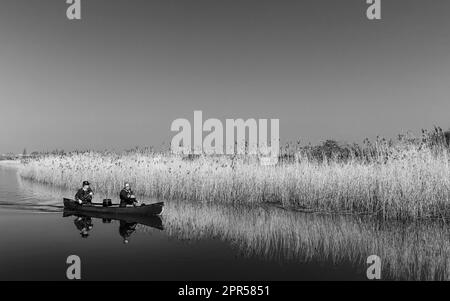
point(115, 211)
point(153, 221)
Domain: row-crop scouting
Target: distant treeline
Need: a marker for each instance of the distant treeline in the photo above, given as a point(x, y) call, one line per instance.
point(4, 157)
point(369, 151)
point(32, 155)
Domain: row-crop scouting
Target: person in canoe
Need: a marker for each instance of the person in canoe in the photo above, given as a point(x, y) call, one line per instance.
point(84, 194)
point(127, 196)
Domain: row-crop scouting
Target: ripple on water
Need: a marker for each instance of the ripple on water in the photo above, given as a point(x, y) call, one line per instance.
point(17, 193)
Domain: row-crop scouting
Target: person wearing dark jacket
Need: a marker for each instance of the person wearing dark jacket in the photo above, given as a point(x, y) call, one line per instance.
point(84, 195)
point(127, 196)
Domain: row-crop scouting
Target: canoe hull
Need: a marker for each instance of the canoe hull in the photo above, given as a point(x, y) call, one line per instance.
point(115, 212)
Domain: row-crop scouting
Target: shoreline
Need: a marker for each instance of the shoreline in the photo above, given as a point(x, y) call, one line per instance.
point(10, 162)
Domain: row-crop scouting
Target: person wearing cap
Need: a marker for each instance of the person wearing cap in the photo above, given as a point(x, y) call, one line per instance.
point(127, 196)
point(84, 195)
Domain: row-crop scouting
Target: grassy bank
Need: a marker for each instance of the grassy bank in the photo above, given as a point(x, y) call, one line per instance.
point(404, 180)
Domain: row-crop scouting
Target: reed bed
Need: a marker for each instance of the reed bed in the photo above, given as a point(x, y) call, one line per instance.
point(411, 180)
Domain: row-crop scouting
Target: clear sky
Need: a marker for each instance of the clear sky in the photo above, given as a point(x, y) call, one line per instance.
point(120, 76)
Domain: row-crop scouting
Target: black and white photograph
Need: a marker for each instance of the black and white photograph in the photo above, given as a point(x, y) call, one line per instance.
point(251, 142)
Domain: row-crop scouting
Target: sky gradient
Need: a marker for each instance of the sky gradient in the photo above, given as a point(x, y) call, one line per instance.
point(120, 76)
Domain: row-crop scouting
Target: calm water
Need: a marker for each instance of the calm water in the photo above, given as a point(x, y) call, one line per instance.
point(209, 242)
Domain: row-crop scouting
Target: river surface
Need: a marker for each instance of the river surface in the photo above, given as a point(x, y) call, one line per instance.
point(194, 241)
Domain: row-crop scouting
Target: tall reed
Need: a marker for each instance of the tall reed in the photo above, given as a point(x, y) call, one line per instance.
point(408, 180)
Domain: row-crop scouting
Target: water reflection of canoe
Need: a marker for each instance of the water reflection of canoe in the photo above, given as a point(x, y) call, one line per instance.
point(115, 211)
point(153, 221)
